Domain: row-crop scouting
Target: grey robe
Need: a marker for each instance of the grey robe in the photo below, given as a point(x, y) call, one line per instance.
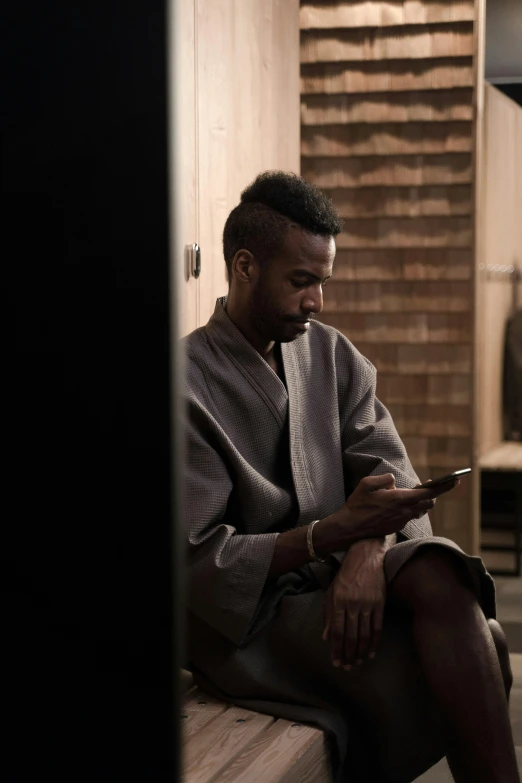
point(261, 460)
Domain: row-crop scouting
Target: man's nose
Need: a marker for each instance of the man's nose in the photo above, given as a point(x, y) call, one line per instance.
point(313, 301)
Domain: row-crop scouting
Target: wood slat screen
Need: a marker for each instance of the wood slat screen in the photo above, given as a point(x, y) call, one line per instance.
point(388, 131)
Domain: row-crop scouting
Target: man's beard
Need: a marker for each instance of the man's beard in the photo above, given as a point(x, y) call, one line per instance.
point(268, 320)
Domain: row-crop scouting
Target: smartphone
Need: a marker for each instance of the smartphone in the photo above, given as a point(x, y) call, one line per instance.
point(443, 479)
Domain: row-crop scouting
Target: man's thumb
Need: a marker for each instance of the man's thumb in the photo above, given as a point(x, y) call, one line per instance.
point(386, 481)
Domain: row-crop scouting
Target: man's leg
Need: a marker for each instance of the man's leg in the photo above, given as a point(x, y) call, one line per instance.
point(501, 646)
point(459, 658)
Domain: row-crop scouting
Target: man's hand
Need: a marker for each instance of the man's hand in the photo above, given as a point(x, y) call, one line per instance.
point(354, 605)
point(377, 508)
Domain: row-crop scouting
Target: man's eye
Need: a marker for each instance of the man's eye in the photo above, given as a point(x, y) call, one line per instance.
point(325, 282)
point(299, 284)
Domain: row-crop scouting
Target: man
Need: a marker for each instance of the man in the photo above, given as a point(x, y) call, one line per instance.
point(315, 586)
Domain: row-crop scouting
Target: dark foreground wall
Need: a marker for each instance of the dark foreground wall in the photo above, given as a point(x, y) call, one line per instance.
point(86, 557)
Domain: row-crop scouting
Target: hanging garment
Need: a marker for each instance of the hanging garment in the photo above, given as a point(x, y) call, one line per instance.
point(512, 386)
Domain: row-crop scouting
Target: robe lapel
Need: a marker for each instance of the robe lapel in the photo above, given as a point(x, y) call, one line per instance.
point(282, 403)
point(296, 388)
point(249, 363)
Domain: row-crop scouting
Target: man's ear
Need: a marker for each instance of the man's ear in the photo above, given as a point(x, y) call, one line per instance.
point(244, 267)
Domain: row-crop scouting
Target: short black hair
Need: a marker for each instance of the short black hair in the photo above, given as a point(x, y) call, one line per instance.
point(269, 206)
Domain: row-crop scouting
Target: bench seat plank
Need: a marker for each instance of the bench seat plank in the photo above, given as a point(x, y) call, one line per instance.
point(196, 699)
point(193, 720)
point(215, 746)
point(287, 752)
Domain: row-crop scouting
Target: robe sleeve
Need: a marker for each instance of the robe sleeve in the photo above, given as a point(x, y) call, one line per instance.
point(226, 570)
point(370, 443)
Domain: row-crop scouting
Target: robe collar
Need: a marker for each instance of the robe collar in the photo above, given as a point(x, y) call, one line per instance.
point(251, 364)
point(285, 406)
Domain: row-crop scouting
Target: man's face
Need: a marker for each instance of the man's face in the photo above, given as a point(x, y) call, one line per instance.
point(289, 290)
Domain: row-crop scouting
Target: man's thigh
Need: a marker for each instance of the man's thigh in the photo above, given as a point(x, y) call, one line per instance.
point(388, 695)
point(434, 578)
point(294, 639)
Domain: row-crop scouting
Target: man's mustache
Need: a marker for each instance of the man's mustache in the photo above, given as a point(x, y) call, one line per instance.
point(301, 320)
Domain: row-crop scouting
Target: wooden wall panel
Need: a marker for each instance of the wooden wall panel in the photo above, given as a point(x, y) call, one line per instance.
point(442, 105)
point(236, 109)
point(386, 76)
point(387, 113)
point(385, 139)
point(406, 232)
point(444, 360)
point(334, 172)
point(404, 264)
point(403, 201)
point(362, 13)
point(183, 104)
point(248, 114)
point(397, 296)
point(373, 43)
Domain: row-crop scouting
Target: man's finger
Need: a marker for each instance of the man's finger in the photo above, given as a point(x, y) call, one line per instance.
point(447, 486)
point(351, 630)
point(377, 620)
point(363, 640)
point(424, 506)
point(336, 636)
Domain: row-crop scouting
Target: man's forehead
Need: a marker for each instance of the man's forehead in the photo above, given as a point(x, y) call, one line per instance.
point(308, 249)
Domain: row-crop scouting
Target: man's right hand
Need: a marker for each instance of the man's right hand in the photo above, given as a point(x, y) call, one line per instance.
point(377, 508)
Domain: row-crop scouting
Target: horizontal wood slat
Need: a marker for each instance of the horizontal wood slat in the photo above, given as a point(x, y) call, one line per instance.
point(450, 452)
point(391, 76)
point(442, 231)
point(397, 297)
point(403, 264)
point(410, 359)
point(371, 13)
point(453, 168)
point(432, 421)
point(403, 327)
point(425, 389)
point(386, 139)
point(410, 106)
point(374, 43)
point(403, 201)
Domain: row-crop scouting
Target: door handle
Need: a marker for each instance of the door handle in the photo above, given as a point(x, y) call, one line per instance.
point(195, 260)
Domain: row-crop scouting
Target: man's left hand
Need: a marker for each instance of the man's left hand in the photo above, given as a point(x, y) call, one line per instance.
point(354, 605)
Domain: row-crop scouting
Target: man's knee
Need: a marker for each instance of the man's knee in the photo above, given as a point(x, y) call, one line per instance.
point(501, 646)
point(433, 579)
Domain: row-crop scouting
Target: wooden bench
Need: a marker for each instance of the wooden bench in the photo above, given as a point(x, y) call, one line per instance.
point(501, 476)
point(227, 744)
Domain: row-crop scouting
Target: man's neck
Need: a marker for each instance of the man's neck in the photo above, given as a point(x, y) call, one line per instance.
point(241, 320)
